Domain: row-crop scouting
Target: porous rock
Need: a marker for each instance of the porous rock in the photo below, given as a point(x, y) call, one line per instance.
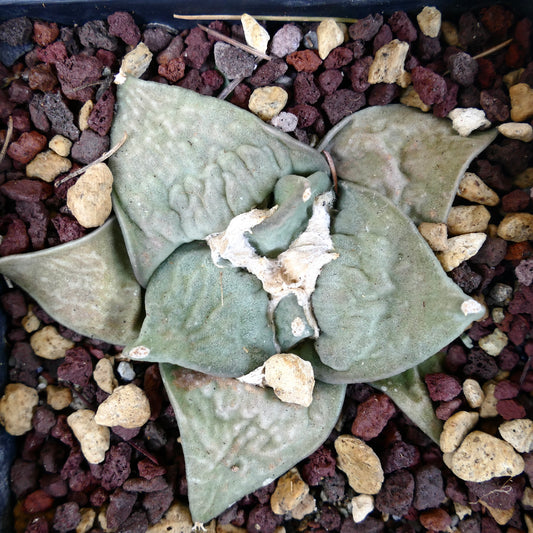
point(468, 219)
point(127, 406)
point(482, 457)
point(460, 249)
point(330, 34)
point(516, 227)
point(455, 430)
point(518, 433)
point(388, 64)
point(93, 437)
point(429, 21)
point(360, 463)
point(290, 491)
point(47, 166)
point(16, 408)
point(49, 344)
point(473, 188)
point(465, 120)
point(104, 376)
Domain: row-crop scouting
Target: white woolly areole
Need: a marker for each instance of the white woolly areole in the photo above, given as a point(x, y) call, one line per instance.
point(295, 270)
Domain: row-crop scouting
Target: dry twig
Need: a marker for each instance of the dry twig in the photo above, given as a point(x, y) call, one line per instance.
point(7, 140)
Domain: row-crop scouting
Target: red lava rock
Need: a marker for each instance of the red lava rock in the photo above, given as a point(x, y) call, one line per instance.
point(36, 215)
point(520, 328)
point(383, 36)
point(510, 409)
point(515, 55)
point(472, 34)
point(67, 228)
point(436, 520)
point(366, 28)
point(358, 74)
point(517, 200)
point(402, 27)
point(268, 73)
point(441, 109)
point(466, 278)
point(430, 86)
point(145, 485)
point(98, 497)
point(67, 516)
point(399, 455)
point(21, 120)
point(152, 385)
point(120, 506)
point(101, 117)
point(23, 478)
point(319, 465)
point(329, 80)
point(497, 19)
point(396, 493)
point(14, 304)
point(333, 488)
point(43, 420)
point(116, 466)
point(16, 31)
point(357, 48)
point(53, 53)
point(307, 115)
point(338, 57)
point(383, 93)
point(122, 25)
point(304, 60)
point(148, 470)
point(54, 485)
point(241, 95)
point(486, 73)
point(261, 518)
point(62, 431)
point(372, 416)
point(137, 522)
point(480, 365)
point(156, 38)
point(463, 68)
point(173, 70)
point(45, 33)
point(193, 81)
point(26, 190)
point(512, 154)
point(95, 34)
point(38, 501)
point(16, 240)
point(522, 301)
point(501, 493)
point(305, 89)
point(491, 253)
point(173, 50)
point(442, 387)
point(156, 504)
point(429, 487)
point(6, 107)
point(522, 34)
point(446, 409)
point(506, 390)
point(26, 147)
point(77, 367)
point(19, 92)
point(508, 359)
point(329, 518)
point(495, 103)
point(198, 48)
point(60, 116)
point(78, 75)
point(342, 103)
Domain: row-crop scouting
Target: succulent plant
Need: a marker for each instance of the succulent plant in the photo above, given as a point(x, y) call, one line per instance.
point(231, 244)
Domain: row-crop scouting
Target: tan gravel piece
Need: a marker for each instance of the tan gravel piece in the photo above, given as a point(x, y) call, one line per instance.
point(520, 131)
point(127, 406)
point(474, 189)
point(455, 430)
point(329, 34)
point(360, 463)
point(482, 457)
point(30, 322)
point(473, 393)
point(488, 407)
point(255, 35)
point(518, 433)
point(49, 344)
point(388, 64)
point(460, 249)
point(435, 234)
point(16, 408)
point(94, 438)
point(521, 96)
point(176, 520)
point(104, 375)
point(362, 506)
point(58, 397)
point(83, 116)
point(516, 227)
point(47, 166)
point(429, 21)
point(468, 219)
point(60, 145)
point(290, 491)
point(494, 343)
point(267, 102)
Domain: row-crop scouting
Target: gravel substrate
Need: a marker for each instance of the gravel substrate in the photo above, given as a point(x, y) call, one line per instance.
point(57, 90)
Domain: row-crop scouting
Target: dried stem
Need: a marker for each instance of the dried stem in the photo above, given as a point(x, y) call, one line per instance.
point(102, 158)
point(234, 42)
point(229, 88)
point(7, 140)
point(272, 18)
point(493, 49)
point(331, 164)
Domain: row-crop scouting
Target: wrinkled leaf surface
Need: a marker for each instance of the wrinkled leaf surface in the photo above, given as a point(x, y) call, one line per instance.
point(237, 437)
point(210, 319)
point(413, 158)
point(87, 284)
point(385, 305)
point(189, 165)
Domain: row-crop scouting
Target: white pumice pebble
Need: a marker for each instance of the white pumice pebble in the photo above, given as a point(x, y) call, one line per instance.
point(465, 120)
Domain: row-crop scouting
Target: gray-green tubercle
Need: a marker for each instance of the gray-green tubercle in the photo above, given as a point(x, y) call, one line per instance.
point(244, 250)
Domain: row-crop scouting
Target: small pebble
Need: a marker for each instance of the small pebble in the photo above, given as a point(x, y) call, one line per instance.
point(388, 64)
point(466, 120)
point(482, 457)
point(435, 234)
point(442, 387)
point(460, 249)
point(233, 62)
point(455, 429)
point(16, 408)
point(125, 371)
point(518, 433)
point(134, 63)
point(494, 343)
point(86, 522)
point(436, 520)
point(89, 199)
point(501, 293)
point(255, 35)
point(450, 33)
point(31, 322)
point(60, 145)
point(93, 437)
point(104, 376)
point(47, 166)
point(304, 60)
point(468, 219)
point(267, 102)
point(429, 21)
point(49, 344)
point(473, 393)
point(285, 121)
point(360, 463)
point(291, 377)
point(286, 40)
point(127, 406)
point(177, 519)
point(517, 130)
point(290, 491)
point(84, 114)
point(516, 227)
point(58, 398)
point(362, 506)
point(521, 96)
point(524, 272)
point(330, 34)
point(473, 188)
point(488, 407)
